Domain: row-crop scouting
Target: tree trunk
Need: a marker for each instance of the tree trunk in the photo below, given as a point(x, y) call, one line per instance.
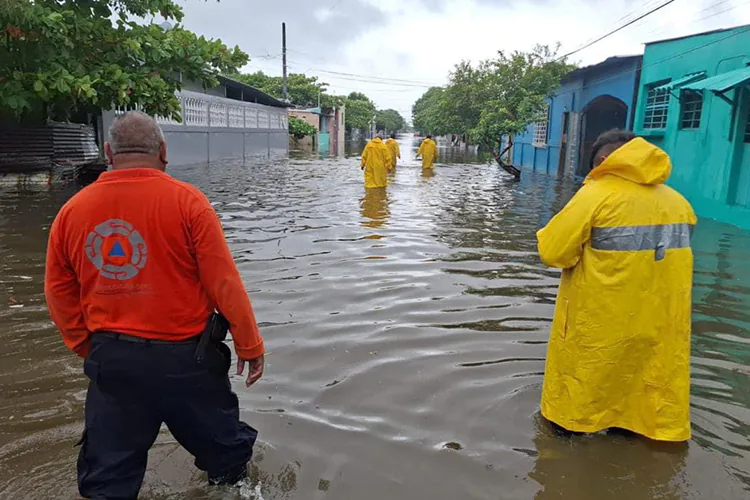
point(515, 172)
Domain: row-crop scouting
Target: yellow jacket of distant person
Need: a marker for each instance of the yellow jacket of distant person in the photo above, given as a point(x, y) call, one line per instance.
point(376, 162)
point(394, 149)
point(619, 349)
point(428, 152)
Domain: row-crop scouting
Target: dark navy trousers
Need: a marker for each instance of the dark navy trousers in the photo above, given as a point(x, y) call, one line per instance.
point(134, 388)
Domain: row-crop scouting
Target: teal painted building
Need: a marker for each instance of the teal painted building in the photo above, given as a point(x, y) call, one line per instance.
point(694, 102)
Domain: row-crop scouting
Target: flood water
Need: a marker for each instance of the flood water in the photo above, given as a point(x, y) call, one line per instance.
point(406, 332)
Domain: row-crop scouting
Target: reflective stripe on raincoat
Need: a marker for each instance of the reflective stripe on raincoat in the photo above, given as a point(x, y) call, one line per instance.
point(619, 349)
point(394, 149)
point(428, 152)
point(376, 161)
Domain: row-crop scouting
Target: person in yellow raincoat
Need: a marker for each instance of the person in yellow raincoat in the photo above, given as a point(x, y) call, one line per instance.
point(376, 162)
point(619, 350)
point(428, 152)
point(393, 147)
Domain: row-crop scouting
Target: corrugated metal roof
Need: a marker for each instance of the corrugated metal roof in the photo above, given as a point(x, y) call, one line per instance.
point(252, 94)
point(723, 81)
point(607, 62)
point(692, 77)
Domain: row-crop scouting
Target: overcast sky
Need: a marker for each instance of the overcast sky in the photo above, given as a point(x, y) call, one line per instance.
point(393, 50)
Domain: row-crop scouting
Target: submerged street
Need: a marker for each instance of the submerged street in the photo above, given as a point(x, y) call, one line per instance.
point(406, 329)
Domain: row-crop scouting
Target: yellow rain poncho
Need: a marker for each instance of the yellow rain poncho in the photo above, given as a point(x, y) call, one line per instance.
point(394, 149)
point(428, 152)
point(376, 162)
point(619, 349)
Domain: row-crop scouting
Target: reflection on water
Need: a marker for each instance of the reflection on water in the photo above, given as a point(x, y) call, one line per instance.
point(375, 209)
point(407, 330)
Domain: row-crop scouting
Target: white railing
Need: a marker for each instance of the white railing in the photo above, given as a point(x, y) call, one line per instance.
point(203, 110)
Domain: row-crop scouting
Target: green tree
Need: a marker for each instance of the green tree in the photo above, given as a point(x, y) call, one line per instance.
point(302, 90)
point(493, 101)
point(62, 57)
point(389, 120)
point(359, 111)
point(516, 88)
point(299, 128)
point(430, 114)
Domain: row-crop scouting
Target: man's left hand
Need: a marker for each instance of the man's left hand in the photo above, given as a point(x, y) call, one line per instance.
point(255, 369)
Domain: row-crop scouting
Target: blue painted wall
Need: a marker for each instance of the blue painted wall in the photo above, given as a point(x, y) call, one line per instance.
point(616, 77)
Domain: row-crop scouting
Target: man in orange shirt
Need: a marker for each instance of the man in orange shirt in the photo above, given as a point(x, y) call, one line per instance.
point(136, 264)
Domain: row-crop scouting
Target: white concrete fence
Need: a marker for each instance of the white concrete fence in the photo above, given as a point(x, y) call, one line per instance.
point(204, 110)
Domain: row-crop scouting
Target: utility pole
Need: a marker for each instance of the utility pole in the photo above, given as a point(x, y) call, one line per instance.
point(283, 56)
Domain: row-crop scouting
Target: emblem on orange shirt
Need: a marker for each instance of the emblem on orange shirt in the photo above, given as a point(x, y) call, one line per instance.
point(116, 249)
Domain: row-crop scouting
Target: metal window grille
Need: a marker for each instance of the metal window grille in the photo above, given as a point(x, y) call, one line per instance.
point(692, 109)
point(540, 131)
point(657, 107)
point(747, 127)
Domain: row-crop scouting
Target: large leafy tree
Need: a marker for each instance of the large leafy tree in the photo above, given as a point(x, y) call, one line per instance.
point(389, 120)
point(302, 90)
point(360, 111)
point(494, 100)
point(59, 58)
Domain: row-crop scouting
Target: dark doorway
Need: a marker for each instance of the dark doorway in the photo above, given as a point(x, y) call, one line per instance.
point(563, 144)
point(600, 115)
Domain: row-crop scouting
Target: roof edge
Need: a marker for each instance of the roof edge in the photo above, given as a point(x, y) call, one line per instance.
point(704, 33)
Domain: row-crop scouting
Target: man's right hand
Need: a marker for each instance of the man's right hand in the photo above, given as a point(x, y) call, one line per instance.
point(255, 369)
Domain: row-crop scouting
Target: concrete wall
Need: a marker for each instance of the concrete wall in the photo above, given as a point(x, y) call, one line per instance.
point(234, 130)
point(711, 166)
point(204, 145)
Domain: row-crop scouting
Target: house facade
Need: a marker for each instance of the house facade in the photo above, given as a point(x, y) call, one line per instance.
point(694, 102)
point(329, 122)
point(591, 100)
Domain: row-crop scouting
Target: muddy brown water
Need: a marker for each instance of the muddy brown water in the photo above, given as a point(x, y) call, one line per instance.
point(407, 333)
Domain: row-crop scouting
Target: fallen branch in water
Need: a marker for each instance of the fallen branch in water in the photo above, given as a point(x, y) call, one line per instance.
point(515, 172)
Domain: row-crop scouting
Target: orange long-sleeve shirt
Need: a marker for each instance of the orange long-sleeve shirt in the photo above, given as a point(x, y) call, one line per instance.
point(141, 253)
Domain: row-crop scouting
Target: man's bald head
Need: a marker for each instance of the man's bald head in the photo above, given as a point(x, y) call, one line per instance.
point(136, 140)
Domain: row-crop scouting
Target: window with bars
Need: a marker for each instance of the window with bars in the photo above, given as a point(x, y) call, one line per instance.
point(657, 107)
point(692, 109)
point(540, 131)
point(747, 126)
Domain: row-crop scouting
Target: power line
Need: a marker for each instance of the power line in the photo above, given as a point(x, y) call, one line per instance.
point(659, 31)
point(660, 61)
point(333, 7)
point(629, 15)
point(372, 77)
point(620, 28)
point(368, 79)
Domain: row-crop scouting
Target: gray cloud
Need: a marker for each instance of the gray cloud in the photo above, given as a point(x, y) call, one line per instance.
point(255, 25)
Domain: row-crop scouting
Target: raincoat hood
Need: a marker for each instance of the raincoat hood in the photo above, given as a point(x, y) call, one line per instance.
point(637, 161)
point(377, 140)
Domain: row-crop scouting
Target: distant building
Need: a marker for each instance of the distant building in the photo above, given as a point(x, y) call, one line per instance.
point(694, 102)
point(329, 122)
point(590, 101)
